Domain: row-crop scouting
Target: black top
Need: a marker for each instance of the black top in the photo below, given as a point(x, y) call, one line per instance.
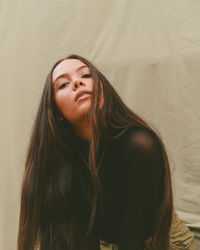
point(132, 176)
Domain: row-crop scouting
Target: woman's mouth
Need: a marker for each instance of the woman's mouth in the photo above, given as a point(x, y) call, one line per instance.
point(83, 96)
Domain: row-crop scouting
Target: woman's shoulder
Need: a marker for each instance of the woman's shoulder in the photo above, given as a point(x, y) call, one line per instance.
point(142, 137)
point(141, 140)
point(143, 155)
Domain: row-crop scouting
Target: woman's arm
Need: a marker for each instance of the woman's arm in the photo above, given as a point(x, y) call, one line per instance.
point(143, 189)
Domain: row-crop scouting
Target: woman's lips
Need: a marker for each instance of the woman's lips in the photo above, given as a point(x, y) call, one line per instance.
point(80, 93)
point(85, 96)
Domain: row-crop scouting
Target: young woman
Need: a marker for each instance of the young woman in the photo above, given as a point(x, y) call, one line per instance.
point(97, 176)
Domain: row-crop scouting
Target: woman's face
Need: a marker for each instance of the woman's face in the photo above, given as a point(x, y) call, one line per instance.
point(73, 86)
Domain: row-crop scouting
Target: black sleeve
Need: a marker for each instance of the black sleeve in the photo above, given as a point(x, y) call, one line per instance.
point(143, 188)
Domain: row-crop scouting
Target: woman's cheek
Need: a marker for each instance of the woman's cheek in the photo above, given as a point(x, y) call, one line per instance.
point(61, 102)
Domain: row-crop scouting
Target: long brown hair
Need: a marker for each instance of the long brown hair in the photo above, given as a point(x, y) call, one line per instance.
point(47, 190)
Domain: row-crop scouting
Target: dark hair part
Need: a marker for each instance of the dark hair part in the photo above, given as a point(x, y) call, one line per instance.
point(46, 216)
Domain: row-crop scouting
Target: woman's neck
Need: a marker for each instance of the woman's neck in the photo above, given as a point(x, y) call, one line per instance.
point(84, 130)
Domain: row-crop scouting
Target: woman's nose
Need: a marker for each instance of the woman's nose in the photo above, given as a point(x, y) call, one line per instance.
point(77, 84)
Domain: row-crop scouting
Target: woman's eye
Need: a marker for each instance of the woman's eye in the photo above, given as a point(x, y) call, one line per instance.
point(63, 85)
point(87, 76)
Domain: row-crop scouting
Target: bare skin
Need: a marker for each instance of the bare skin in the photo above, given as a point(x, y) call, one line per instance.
point(69, 78)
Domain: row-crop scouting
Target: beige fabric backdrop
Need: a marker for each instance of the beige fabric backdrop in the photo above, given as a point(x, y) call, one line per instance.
point(149, 50)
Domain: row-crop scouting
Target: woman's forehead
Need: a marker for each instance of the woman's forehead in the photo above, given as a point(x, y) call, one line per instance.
point(66, 67)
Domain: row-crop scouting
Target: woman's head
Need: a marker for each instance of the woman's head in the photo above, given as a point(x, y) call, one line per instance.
point(75, 86)
point(72, 82)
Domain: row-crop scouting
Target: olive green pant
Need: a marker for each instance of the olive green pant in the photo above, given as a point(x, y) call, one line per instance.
point(181, 238)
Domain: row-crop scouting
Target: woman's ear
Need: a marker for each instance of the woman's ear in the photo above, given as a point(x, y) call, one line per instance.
point(59, 116)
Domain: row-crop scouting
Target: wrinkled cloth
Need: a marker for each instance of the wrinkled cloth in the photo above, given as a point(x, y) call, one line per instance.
point(181, 238)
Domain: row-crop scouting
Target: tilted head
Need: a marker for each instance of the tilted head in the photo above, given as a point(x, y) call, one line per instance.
point(73, 86)
point(76, 90)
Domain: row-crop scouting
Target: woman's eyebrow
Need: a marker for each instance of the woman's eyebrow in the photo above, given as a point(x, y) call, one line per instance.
point(66, 75)
point(81, 67)
point(61, 76)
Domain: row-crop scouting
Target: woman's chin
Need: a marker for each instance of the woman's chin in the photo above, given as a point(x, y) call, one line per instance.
point(81, 114)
